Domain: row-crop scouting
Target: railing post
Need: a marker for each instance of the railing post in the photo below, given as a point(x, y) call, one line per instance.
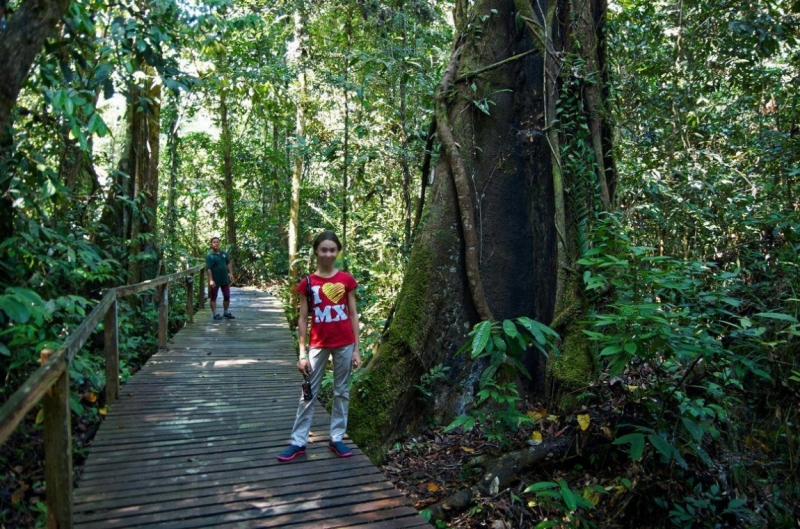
point(58, 451)
point(111, 350)
point(190, 298)
point(163, 313)
point(202, 285)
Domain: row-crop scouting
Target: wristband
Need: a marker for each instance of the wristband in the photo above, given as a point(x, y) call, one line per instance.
point(304, 357)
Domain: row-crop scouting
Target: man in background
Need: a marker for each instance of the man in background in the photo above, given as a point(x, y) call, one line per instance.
point(220, 273)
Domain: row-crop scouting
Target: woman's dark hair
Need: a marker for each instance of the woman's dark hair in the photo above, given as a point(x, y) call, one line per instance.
point(327, 235)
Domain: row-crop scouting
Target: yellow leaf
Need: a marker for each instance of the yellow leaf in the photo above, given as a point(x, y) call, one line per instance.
point(40, 416)
point(584, 420)
point(467, 449)
point(537, 415)
point(536, 438)
point(632, 388)
point(433, 487)
point(591, 495)
point(17, 496)
point(91, 397)
point(552, 418)
point(103, 410)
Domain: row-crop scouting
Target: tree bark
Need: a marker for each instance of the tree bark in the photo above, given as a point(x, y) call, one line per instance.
point(173, 144)
point(299, 153)
point(145, 132)
point(227, 179)
point(514, 253)
point(20, 41)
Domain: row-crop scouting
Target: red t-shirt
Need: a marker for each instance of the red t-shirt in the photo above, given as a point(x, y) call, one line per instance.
point(331, 326)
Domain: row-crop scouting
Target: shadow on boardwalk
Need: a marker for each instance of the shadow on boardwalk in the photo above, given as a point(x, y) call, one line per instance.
point(193, 440)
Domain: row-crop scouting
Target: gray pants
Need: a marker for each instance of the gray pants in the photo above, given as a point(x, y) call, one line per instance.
point(342, 357)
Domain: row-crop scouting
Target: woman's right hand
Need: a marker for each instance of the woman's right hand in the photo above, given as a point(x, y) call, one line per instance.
point(304, 366)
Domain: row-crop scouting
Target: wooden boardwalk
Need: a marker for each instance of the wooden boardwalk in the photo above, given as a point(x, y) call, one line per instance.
point(193, 440)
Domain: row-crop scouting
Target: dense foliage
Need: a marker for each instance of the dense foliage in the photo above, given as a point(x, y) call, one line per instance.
point(693, 278)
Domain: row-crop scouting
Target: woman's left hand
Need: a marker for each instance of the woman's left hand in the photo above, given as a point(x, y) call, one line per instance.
point(356, 360)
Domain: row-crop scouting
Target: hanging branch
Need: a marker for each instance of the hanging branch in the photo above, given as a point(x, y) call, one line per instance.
point(426, 169)
point(586, 33)
point(461, 182)
point(495, 65)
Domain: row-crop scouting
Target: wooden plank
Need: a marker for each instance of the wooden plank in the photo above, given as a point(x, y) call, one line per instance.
point(263, 491)
point(318, 508)
point(190, 483)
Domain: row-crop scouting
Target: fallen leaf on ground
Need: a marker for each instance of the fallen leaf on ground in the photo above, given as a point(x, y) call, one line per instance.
point(584, 420)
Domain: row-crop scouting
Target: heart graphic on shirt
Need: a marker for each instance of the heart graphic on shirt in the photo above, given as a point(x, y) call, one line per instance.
point(334, 291)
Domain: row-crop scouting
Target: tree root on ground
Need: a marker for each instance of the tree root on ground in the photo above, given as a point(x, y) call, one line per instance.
point(505, 470)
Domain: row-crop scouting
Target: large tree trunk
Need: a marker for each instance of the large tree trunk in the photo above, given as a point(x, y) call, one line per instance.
point(499, 238)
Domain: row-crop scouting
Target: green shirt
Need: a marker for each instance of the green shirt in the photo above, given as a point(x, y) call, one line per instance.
point(218, 264)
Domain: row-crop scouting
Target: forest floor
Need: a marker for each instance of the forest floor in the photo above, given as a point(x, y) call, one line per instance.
point(596, 484)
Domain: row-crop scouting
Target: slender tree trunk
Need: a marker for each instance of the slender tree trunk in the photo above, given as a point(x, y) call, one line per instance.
point(298, 156)
point(346, 163)
point(145, 131)
point(227, 179)
point(173, 144)
point(404, 164)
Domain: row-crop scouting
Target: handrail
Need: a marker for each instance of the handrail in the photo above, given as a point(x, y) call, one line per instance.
point(50, 384)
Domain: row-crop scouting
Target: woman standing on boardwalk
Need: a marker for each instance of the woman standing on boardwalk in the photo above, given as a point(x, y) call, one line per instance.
point(334, 332)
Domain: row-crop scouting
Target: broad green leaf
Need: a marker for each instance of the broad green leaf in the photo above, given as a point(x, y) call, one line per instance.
point(568, 496)
point(777, 316)
point(15, 310)
point(461, 421)
point(48, 189)
point(27, 294)
point(542, 485)
point(611, 350)
point(693, 429)
point(636, 441)
point(483, 332)
point(663, 447)
point(510, 329)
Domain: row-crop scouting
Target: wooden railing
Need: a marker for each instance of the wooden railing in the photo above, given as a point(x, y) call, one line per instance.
point(50, 384)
